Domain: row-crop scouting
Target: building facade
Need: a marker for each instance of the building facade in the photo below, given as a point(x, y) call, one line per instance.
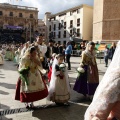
point(14, 16)
point(106, 21)
point(42, 28)
point(73, 23)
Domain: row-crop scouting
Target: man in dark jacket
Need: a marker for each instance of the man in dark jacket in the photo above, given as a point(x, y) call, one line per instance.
point(50, 49)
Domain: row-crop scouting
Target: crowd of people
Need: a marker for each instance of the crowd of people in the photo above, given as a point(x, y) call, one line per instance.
point(37, 59)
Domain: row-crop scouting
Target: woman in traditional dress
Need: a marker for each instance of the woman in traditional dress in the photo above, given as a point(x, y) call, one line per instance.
point(59, 89)
point(106, 101)
point(17, 56)
point(30, 86)
point(87, 82)
point(9, 53)
point(1, 59)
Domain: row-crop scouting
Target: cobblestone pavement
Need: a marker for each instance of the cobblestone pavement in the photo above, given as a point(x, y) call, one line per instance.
point(14, 110)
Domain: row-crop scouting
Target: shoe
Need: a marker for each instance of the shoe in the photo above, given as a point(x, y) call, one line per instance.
point(69, 69)
point(27, 107)
point(33, 107)
point(66, 104)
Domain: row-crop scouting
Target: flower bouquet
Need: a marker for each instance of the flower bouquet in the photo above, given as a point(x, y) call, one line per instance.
point(24, 74)
point(80, 71)
point(62, 67)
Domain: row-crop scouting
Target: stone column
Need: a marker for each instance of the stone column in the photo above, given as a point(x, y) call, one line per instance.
point(106, 21)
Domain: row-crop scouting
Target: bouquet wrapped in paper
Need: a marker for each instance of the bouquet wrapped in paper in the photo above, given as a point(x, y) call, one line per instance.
point(80, 70)
point(23, 74)
point(62, 67)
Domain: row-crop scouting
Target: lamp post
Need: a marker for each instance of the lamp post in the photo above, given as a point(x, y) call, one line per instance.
point(30, 33)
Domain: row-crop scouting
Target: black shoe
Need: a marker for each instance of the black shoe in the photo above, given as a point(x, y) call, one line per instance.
point(27, 107)
point(69, 68)
point(32, 107)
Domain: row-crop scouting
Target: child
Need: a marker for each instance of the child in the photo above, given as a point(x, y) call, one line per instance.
point(59, 89)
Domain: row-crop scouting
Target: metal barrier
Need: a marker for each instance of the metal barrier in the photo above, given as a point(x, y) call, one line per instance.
point(100, 55)
point(76, 52)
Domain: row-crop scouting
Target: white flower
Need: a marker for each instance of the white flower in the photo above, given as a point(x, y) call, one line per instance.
point(80, 70)
point(98, 51)
point(62, 65)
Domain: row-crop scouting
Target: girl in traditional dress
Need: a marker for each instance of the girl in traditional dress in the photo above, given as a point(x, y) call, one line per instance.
point(87, 82)
point(59, 89)
point(30, 86)
point(106, 101)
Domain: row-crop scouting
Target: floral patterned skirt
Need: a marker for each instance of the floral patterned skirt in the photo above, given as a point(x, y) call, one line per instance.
point(61, 94)
point(29, 97)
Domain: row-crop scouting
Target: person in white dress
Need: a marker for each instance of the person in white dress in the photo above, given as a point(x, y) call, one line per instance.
point(59, 88)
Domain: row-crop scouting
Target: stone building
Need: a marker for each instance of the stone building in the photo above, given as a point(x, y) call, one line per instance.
point(73, 23)
point(106, 21)
point(18, 17)
point(42, 28)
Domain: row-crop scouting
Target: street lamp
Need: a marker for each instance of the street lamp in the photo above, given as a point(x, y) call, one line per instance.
point(30, 33)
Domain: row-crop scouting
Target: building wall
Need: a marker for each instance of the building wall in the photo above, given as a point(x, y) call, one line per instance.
point(87, 23)
point(42, 29)
point(66, 18)
point(97, 20)
point(111, 21)
point(106, 24)
point(15, 20)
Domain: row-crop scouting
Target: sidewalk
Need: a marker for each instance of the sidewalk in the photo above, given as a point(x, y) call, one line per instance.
point(14, 110)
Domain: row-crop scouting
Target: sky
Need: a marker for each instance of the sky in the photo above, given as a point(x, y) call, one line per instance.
point(52, 6)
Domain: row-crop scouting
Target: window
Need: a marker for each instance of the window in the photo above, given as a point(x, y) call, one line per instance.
point(1, 13)
point(31, 15)
point(71, 13)
point(64, 35)
point(65, 25)
point(54, 34)
point(59, 34)
point(78, 32)
point(54, 27)
point(59, 42)
point(59, 26)
point(11, 14)
point(20, 15)
point(64, 42)
point(71, 32)
point(78, 22)
point(78, 11)
point(50, 28)
point(71, 23)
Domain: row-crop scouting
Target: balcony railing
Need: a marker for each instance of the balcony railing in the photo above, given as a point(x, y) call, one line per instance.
point(6, 5)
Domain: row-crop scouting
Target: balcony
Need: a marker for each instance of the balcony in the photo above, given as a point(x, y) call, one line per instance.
point(7, 5)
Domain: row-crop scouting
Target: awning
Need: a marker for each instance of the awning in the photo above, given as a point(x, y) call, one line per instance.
point(13, 27)
point(77, 40)
point(102, 46)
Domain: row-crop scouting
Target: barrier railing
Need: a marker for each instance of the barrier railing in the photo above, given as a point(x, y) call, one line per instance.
point(76, 52)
